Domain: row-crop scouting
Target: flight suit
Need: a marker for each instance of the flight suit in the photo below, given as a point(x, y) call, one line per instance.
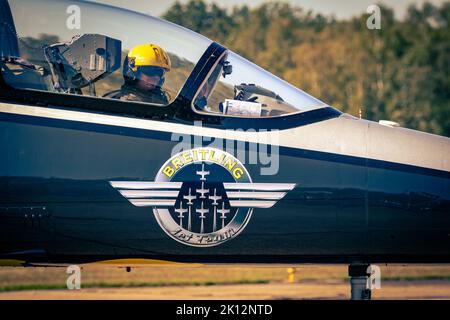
point(131, 93)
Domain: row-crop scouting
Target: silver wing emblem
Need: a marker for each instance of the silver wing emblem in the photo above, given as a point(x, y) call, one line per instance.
point(164, 194)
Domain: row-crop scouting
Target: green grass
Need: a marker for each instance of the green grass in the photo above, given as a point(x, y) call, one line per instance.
point(23, 287)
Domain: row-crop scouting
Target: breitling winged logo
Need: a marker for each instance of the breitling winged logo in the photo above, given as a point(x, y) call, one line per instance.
point(165, 194)
point(203, 206)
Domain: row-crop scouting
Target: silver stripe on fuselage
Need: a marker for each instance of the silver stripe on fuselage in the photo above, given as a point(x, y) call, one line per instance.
point(255, 195)
point(252, 203)
point(233, 203)
point(259, 186)
point(145, 185)
point(153, 202)
point(344, 135)
point(148, 194)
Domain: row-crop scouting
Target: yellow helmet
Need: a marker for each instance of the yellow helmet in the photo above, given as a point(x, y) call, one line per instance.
point(148, 55)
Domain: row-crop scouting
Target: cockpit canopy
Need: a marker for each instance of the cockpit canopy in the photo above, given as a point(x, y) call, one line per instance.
point(79, 48)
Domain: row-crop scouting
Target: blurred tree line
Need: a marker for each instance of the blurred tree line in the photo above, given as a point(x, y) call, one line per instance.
point(399, 73)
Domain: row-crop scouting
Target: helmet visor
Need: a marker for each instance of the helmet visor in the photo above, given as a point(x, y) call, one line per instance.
point(151, 71)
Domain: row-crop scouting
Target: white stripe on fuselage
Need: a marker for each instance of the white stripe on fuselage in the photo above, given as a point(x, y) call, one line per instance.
point(344, 135)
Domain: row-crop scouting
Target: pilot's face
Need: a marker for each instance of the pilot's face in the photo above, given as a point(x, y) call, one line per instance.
point(149, 77)
point(148, 82)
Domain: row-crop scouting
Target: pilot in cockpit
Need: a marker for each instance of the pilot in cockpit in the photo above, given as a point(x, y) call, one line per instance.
point(143, 72)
